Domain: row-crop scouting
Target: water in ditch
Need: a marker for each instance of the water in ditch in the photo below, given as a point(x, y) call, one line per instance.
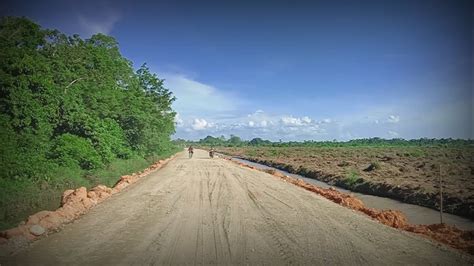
point(414, 213)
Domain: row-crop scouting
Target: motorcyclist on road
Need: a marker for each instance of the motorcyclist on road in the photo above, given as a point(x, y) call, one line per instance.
point(191, 151)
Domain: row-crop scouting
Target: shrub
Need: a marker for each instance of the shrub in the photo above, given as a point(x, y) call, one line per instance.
point(372, 166)
point(352, 177)
point(109, 140)
point(376, 165)
point(252, 153)
point(71, 150)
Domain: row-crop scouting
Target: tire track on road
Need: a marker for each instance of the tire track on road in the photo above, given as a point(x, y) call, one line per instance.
point(211, 211)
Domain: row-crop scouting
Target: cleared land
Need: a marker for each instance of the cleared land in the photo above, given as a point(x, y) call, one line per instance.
point(211, 211)
point(409, 174)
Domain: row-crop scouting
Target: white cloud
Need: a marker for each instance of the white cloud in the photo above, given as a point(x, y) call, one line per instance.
point(392, 133)
point(177, 119)
point(197, 98)
point(306, 120)
point(393, 119)
point(295, 121)
point(103, 24)
point(257, 124)
point(257, 114)
point(259, 119)
point(201, 124)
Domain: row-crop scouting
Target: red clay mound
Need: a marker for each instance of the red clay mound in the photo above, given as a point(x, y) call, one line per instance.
point(447, 234)
point(99, 193)
point(391, 218)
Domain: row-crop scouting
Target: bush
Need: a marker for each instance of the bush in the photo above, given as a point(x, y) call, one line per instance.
point(372, 166)
point(72, 151)
point(352, 177)
point(110, 141)
point(376, 165)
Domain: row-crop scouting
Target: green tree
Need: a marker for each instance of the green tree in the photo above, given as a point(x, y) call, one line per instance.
point(55, 87)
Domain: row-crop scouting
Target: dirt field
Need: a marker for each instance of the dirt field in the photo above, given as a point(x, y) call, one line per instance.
point(409, 174)
point(211, 211)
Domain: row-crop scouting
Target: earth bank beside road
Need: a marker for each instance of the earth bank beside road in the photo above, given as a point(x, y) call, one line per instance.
point(407, 174)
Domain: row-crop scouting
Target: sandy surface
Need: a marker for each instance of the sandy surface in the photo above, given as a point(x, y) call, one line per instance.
point(210, 211)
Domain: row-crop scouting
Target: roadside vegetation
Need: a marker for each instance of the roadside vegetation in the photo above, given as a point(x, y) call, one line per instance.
point(236, 141)
point(74, 112)
point(352, 177)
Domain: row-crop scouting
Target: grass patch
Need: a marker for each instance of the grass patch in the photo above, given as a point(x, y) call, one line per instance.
point(252, 153)
point(372, 166)
point(352, 177)
point(375, 165)
point(110, 175)
point(273, 152)
point(22, 197)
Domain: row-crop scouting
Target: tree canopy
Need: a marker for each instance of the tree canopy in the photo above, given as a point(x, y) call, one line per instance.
point(67, 101)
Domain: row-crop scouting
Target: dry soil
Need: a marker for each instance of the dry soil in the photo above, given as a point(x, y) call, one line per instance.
point(211, 211)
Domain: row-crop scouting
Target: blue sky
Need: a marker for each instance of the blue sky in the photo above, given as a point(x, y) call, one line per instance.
point(294, 70)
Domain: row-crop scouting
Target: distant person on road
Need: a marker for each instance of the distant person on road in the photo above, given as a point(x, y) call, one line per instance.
point(191, 151)
point(211, 153)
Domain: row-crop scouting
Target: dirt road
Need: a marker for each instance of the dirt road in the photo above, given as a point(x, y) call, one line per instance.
point(210, 211)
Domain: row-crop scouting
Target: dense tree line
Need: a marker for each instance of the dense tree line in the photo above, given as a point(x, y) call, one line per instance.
point(76, 103)
point(235, 141)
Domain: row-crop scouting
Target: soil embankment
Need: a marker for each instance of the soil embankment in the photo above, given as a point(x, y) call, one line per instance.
point(387, 172)
point(450, 235)
point(211, 211)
